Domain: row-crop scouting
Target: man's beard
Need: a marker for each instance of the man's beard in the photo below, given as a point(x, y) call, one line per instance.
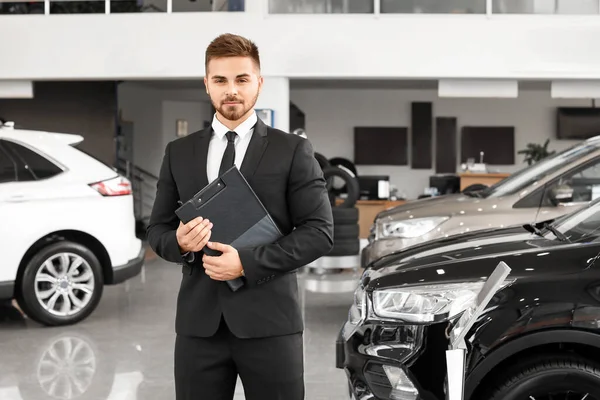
point(234, 113)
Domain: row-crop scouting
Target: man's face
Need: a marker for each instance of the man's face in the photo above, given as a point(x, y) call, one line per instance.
point(233, 84)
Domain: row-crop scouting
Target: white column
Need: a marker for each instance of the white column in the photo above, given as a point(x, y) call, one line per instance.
point(256, 6)
point(275, 95)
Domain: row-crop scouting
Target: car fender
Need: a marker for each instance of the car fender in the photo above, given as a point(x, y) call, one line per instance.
point(527, 341)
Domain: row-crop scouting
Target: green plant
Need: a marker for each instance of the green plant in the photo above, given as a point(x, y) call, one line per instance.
point(536, 152)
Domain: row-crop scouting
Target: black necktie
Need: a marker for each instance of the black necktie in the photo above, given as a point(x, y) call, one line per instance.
point(229, 155)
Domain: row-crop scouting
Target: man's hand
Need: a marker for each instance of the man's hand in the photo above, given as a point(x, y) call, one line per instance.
point(225, 267)
point(194, 235)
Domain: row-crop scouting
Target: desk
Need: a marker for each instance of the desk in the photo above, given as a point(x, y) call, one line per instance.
point(368, 210)
point(467, 179)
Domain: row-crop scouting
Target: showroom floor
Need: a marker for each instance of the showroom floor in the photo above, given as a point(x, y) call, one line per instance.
point(124, 351)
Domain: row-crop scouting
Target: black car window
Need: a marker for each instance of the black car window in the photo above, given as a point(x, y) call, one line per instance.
point(31, 165)
point(584, 181)
point(8, 169)
point(583, 223)
point(531, 174)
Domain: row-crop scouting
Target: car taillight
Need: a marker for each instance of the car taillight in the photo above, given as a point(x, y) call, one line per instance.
point(119, 186)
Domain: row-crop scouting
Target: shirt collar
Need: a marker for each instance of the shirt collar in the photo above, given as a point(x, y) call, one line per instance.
point(242, 129)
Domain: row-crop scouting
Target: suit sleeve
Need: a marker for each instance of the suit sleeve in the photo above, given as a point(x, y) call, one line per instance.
point(311, 214)
point(163, 223)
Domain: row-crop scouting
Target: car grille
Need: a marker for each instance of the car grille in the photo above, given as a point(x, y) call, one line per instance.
point(378, 380)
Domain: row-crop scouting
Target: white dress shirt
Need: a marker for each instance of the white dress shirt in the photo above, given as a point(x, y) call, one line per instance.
point(218, 144)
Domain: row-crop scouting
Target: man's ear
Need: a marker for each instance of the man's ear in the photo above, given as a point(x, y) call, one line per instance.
point(261, 80)
point(206, 84)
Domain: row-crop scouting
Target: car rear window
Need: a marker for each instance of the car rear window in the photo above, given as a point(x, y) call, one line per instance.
point(29, 164)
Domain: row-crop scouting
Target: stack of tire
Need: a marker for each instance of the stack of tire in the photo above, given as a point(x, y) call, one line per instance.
point(345, 214)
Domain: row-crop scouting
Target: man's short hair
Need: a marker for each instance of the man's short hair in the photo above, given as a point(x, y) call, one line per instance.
point(230, 45)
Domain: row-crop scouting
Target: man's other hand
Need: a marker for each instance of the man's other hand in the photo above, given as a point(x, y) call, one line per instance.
point(225, 267)
point(194, 235)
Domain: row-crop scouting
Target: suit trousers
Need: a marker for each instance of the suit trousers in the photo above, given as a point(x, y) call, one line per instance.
point(270, 368)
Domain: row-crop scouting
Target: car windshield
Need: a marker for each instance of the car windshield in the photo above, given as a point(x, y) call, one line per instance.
point(528, 175)
point(580, 224)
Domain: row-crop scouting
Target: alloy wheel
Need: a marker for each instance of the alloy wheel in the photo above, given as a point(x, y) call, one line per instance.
point(64, 284)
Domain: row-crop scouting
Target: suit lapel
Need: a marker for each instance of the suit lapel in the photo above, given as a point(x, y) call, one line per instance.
point(201, 157)
point(256, 148)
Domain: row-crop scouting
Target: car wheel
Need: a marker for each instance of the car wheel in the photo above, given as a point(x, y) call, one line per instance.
point(351, 185)
point(322, 160)
point(61, 285)
point(345, 231)
point(345, 216)
point(551, 377)
point(345, 247)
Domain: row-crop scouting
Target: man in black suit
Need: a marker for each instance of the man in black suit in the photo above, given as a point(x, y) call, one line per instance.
point(255, 332)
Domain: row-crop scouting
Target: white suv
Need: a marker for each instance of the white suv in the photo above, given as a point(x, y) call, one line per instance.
point(67, 226)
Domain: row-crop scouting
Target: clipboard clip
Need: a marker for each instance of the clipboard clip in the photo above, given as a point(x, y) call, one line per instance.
point(205, 196)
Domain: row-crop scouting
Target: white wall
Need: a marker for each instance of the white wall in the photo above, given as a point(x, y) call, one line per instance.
point(153, 112)
point(331, 116)
point(275, 95)
point(161, 45)
point(194, 112)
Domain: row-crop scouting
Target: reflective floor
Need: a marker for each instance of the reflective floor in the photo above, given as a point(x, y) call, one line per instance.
point(124, 350)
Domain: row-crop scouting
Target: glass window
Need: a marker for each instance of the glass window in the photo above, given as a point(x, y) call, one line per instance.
point(204, 5)
point(564, 7)
point(582, 223)
point(140, 6)
point(531, 174)
point(433, 6)
point(77, 7)
point(8, 170)
point(321, 7)
point(30, 165)
point(579, 186)
point(21, 7)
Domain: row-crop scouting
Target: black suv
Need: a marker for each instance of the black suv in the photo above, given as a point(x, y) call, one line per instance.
point(537, 339)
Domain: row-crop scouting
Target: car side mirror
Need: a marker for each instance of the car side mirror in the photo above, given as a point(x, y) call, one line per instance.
point(561, 194)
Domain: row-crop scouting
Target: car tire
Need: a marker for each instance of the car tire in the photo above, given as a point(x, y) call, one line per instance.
point(322, 160)
point(344, 162)
point(84, 285)
point(544, 375)
point(345, 247)
point(351, 182)
point(348, 166)
point(345, 216)
point(345, 231)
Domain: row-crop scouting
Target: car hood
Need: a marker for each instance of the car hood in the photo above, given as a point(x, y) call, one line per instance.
point(448, 205)
point(474, 257)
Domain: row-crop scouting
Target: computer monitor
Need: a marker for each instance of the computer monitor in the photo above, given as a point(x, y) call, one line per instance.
point(445, 183)
point(374, 187)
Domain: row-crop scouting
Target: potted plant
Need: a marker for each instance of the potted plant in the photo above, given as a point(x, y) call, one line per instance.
point(536, 152)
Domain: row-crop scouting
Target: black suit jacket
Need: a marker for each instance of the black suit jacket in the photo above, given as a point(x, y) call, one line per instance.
point(283, 172)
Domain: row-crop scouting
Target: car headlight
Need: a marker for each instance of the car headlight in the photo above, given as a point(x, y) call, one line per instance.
point(407, 228)
point(357, 312)
point(425, 304)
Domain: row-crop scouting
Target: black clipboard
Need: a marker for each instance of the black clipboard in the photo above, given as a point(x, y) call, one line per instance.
point(238, 216)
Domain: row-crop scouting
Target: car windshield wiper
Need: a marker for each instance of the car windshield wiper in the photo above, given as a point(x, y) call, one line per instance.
point(559, 235)
point(533, 229)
